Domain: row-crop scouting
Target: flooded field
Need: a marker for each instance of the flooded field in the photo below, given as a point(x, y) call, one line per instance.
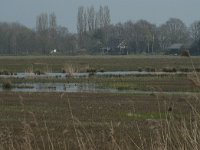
point(117, 107)
point(66, 75)
point(58, 87)
point(82, 88)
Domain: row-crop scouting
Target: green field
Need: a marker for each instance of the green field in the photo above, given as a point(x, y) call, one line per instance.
point(163, 115)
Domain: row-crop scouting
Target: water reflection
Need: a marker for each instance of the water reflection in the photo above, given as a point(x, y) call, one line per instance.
point(78, 87)
point(66, 75)
point(57, 87)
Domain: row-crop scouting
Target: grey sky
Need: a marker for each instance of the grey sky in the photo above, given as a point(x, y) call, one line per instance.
point(155, 11)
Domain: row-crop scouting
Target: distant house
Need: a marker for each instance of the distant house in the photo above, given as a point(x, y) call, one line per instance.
point(106, 50)
point(174, 49)
point(117, 49)
point(123, 48)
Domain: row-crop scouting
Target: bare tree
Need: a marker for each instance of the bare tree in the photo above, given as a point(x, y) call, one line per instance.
point(106, 16)
point(163, 38)
point(145, 35)
point(101, 17)
point(91, 18)
point(42, 23)
point(85, 22)
point(80, 25)
point(80, 20)
point(42, 27)
point(97, 21)
point(195, 30)
point(52, 25)
point(176, 31)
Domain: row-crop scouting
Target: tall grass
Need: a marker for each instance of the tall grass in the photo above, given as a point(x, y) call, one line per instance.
point(167, 133)
point(182, 133)
point(7, 84)
point(69, 69)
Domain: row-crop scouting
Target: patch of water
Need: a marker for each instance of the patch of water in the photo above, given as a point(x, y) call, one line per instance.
point(57, 87)
point(65, 75)
point(79, 87)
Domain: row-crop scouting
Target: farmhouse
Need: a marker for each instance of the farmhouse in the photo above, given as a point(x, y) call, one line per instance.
point(174, 49)
point(123, 48)
point(105, 50)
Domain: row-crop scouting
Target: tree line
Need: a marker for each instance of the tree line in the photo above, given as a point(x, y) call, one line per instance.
point(95, 32)
point(17, 39)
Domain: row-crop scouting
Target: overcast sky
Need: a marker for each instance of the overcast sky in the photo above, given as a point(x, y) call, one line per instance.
point(155, 11)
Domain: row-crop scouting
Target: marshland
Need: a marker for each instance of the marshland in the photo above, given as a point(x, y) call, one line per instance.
point(92, 105)
point(99, 75)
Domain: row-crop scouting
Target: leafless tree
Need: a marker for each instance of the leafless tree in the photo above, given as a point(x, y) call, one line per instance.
point(176, 30)
point(52, 25)
point(106, 16)
point(195, 30)
point(91, 18)
point(42, 23)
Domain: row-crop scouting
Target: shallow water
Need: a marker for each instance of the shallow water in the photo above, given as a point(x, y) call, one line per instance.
point(57, 87)
point(66, 75)
point(78, 87)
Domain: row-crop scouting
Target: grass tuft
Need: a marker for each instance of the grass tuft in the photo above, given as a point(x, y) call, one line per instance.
point(7, 84)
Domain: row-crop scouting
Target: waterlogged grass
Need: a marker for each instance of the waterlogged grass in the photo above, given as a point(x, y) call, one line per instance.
point(60, 119)
point(85, 105)
point(101, 121)
point(21, 108)
point(142, 116)
point(23, 86)
point(173, 83)
point(6, 84)
point(122, 86)
point(157, 83)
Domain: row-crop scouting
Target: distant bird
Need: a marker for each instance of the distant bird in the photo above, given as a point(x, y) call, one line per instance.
point(53, 51)
point(169, 109)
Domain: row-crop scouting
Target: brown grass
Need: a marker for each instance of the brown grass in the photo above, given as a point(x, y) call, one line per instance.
point(93, 121)
point(108, 63)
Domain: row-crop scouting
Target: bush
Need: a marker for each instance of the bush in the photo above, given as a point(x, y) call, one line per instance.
point(5, 72)
point(185, 70)
point(185, 53)
point(91, 70)
point(169, 69)
point(140, 70)
point(38, 72)
point(150, 69)
point(7, 84)
point(197, 69)
point(101, 70)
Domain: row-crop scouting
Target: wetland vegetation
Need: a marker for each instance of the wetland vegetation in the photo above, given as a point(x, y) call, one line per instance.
point(99, 63)
point(131, 85)
point(134, 111)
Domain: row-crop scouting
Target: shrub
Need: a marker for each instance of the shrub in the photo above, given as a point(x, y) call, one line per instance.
point(140, 69)
point(38, 72)
point(197, 69)
point(101, 70)
point(185, 69)
point(7, 84)
point(5, 72)
point(169, 69)
point(91, 70)
point(185, 53)
point(69, 69)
